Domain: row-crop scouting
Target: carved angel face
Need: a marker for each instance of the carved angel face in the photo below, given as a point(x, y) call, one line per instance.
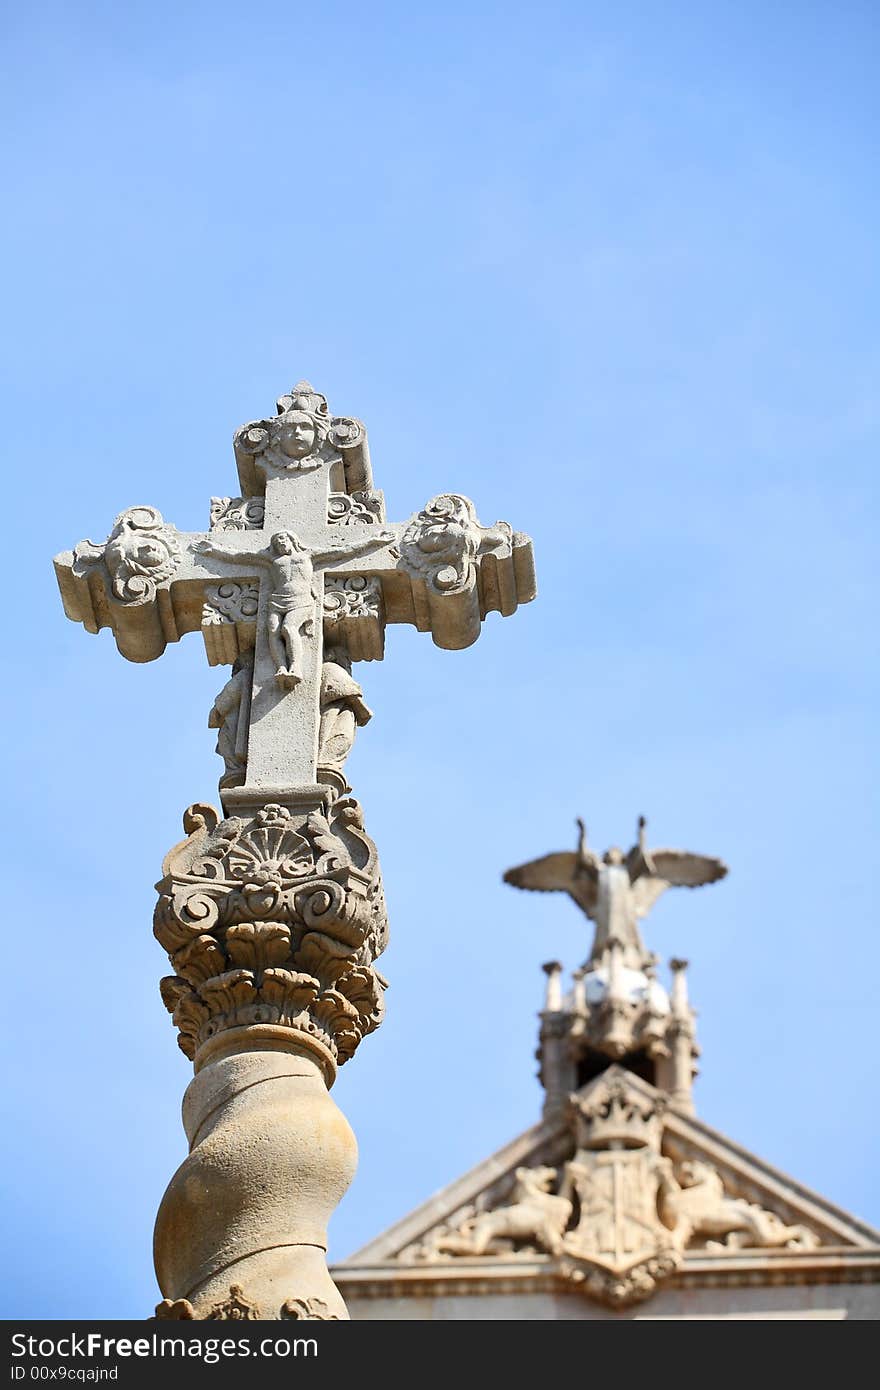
point(149, 553)
point(448, 538)
point(297, 436)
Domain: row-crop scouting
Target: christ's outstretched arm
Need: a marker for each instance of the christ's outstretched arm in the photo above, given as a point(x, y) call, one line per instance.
point(233, 557)
point(341, 548)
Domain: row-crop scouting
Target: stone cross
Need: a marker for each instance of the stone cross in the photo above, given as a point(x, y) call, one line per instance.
point(273, 916)
point(305, 547)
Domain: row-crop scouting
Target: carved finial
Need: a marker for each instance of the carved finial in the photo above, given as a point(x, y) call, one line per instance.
point(680, 1004)
point(303, 396)
point(553, 998)
point(580, 990)
point(582, 837)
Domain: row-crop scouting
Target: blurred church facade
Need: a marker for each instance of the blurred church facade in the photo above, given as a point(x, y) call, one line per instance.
point(620, 1202)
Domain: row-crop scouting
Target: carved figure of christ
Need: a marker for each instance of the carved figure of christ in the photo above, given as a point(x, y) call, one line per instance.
point(293, 594)
point(306, 483)
point(269, 1162)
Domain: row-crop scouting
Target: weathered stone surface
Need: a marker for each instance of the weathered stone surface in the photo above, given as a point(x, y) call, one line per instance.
point(274, 919)
point(617, 1007)
point(619, 1200)
point(617, 890)
point(614, 1199)
point(271, 1156)
point(306, 549)
point(273, 915)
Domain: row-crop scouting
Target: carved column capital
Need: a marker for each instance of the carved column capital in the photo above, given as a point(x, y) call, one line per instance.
point(272, 923)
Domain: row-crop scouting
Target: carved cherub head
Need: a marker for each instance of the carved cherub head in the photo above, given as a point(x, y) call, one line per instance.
point(297, 434)
point(140, 553)
point(148, 553)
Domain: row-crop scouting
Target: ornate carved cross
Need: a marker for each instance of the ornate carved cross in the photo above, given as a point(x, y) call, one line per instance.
point(274, 916)
point(305, 548)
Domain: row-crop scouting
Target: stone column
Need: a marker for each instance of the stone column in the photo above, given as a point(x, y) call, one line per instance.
point(272, 922)
point(556, 1068)
point(683, 1045)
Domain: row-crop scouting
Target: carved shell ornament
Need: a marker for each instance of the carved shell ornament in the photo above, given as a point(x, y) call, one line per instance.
point(140, 553)
point(270, 854)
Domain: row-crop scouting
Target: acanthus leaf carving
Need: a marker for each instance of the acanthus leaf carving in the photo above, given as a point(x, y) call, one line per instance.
point(274, 918)
point(235, 1308)
point(308, 1310)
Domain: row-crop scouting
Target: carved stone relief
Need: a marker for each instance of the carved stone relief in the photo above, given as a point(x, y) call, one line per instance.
point(617, 1216)
point(534, 1214)
point(238, 1308)
point(140, 554)
point(230, 715)
point(343, 711)
point(293, 441)
point(237, 513)
point(309, 1310)
point(355, 509)
point(698, 1211)
point(441, 544)
point(274, 919)
point(354, 616)
point(229, 619)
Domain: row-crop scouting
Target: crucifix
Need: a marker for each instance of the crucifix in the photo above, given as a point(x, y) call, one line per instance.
point(273, 912)
point(306, 548)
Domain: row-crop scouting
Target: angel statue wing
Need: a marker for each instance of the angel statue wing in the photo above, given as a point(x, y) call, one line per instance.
point(567, 871)
point(672, 868)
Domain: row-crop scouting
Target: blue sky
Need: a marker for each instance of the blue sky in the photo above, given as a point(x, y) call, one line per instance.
point(612, 272)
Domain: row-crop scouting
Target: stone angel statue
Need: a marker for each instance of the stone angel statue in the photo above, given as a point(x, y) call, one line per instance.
point(616, 890)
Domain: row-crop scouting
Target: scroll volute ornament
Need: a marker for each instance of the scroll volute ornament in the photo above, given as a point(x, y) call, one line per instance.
point(139, 555)
point(274, 920)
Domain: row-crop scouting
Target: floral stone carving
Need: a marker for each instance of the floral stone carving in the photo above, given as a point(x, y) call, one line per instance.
point(354, 615)
point(238, 1308)
point(275, 919)
point(229, 619)
point(237, 513)
point(357, 509)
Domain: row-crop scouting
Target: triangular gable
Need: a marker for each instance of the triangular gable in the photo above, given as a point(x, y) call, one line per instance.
point(685, 1142)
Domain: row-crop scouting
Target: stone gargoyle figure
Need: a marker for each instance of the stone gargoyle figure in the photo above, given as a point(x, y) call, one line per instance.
point(616, 890)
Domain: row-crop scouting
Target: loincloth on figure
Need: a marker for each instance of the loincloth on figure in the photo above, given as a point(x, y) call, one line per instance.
point(291, 603)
